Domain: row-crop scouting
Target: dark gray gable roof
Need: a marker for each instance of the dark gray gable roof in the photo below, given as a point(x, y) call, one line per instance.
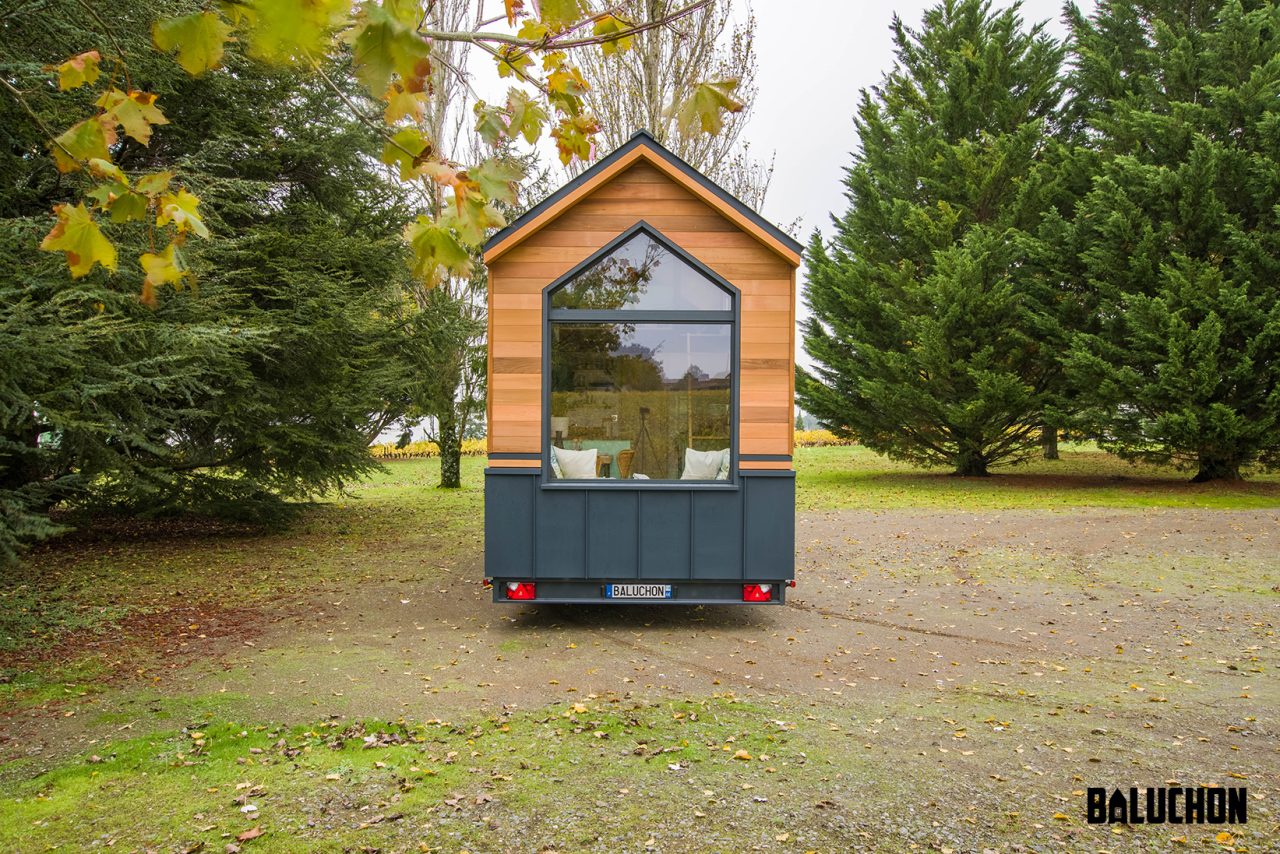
point(644, 138)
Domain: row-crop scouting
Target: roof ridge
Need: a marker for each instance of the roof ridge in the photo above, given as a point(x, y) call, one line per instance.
point(639, 138)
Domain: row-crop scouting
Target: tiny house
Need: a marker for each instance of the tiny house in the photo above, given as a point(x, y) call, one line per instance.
point(641, 377)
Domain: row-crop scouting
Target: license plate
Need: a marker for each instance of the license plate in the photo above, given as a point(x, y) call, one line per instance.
point(637, 591)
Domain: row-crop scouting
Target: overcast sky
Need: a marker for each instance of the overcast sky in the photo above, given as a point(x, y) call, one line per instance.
point(809, 90)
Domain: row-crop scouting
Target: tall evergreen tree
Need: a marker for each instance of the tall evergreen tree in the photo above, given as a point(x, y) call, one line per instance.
point(1179, 235)
point(933, 323)
point(264, 383)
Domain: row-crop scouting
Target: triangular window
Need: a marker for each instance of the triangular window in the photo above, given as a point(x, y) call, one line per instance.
point(641, 274)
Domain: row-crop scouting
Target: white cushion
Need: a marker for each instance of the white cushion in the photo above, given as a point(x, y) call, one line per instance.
point(575, 465)
point(705, 465)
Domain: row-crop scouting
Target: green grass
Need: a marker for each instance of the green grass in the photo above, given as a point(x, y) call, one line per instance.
point(854, 477)
point(320, 787)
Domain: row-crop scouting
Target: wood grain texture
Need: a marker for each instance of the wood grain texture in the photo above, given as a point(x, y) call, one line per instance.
point(640, 191)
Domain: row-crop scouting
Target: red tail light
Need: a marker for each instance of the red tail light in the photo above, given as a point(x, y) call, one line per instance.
point(522, 590)
point(757, 592)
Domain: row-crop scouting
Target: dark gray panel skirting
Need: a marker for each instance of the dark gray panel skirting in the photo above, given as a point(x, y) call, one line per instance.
point(745, 533)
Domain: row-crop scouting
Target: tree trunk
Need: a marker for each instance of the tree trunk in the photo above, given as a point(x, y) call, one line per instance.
point(1049, 442)
point(970, 461)
point(450, 452)
point(1216, 468)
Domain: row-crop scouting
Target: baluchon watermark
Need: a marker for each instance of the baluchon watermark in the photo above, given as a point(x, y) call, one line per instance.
point(1172, 805)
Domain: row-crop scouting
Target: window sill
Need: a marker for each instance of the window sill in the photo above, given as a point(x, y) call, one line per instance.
point(636, 485)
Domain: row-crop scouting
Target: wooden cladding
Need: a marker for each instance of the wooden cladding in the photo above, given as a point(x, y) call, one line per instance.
point(565, 234)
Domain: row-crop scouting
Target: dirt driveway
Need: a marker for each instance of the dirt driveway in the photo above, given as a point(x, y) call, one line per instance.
point(1028, 654)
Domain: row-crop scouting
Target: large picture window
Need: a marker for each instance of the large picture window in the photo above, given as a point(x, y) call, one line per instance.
point(641, 374)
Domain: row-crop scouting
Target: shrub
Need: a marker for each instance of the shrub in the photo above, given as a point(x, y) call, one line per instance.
point(425, 450)
point(819, 439)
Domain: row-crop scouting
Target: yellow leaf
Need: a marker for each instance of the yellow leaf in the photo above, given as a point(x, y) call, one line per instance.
point(156, 182)
point(294, 32)
point(180, 209)
point(162, 269)
point(742, 754)
point(1061, 817)
point(435, 252)
point(78, 70)
point(559, 14)
point(385, 41)
point(136, 112)
point(702, 111)
point(611, 26)
point(198, 40)
point(1224, 838)
point(404, 104)
point(87, 140)
point(79, 237)
point(406, 149)
point(100, 168)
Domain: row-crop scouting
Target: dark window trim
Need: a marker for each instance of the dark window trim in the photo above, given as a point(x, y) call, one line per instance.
point(563, 315)
point(624, 315)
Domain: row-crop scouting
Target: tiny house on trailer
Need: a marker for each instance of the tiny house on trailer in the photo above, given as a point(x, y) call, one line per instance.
point(641, 378)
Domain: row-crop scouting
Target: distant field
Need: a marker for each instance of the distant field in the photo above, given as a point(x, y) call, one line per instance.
point(854, 477)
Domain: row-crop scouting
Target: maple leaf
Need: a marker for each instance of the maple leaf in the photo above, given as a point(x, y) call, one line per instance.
point(403, 104)
point(136, 112)
point(513, 9)
point(100, 168)
point(573, 137)
point(490, 122)
point(116, 197)
point(527, 115)
point(180, 209)
point(198, 39)
point(87, 140)
point(435, 250)
point(162, 268)
point(156, 182)
point(77, 235)
point(471, 216)
point(293, 32)
point(513, 61)
point(701, 111)
point(78, 70)
point(497, 178)
point(609, 26)
point(385, 42)
point(406, 149)
point(561, 14)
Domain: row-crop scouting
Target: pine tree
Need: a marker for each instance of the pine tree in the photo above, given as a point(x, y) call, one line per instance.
point(261, 385)
point(1179, 235)
point(933, 320)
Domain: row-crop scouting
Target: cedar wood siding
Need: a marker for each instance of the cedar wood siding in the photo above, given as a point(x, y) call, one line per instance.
point(641, 191)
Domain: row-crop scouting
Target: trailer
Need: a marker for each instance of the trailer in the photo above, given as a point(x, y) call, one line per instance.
point(641, 376)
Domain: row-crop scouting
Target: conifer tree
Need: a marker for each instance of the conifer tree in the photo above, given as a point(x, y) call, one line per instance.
point(1179, 234)
point(933, 322)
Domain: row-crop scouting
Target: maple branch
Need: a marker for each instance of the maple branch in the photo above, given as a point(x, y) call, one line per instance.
point(35, 117)
point(550, 43)
point(379, 127)
point(93, 13)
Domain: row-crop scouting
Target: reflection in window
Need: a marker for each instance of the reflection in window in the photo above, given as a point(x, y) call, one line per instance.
point(642, 275)
point(641, 400)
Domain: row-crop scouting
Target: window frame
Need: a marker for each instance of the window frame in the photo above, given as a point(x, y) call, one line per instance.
point(733, 317)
